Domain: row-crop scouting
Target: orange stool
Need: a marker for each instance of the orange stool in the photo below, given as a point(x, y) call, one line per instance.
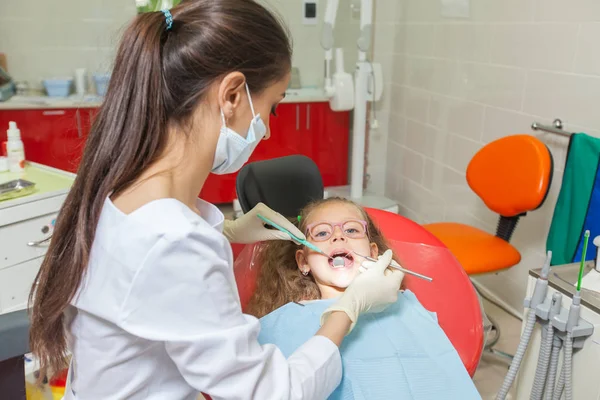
point(512, 176)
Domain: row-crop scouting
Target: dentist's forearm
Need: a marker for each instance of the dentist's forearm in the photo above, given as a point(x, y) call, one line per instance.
point(336, 327)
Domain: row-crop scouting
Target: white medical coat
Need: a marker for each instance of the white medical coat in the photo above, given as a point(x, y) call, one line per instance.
point(158, 316)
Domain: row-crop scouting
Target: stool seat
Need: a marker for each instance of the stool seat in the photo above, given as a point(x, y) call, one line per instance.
point(477, 251)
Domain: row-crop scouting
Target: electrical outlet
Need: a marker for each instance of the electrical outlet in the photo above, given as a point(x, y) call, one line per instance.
point(309, 12)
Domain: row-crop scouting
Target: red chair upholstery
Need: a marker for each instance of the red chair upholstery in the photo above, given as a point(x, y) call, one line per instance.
point(450, 294)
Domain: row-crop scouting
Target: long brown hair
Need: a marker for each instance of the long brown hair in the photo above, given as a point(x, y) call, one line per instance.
point(280, 280)
point(159, 77)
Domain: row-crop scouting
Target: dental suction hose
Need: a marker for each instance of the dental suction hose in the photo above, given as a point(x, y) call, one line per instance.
point(551, 380)
point(560, 386)
point(574, 312)
point(539, 294)
point(541, 371)
point(565, 381)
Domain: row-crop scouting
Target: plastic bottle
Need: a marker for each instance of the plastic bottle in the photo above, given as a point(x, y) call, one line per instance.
point(15, 149)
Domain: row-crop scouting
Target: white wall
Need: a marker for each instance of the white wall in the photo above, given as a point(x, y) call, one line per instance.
point(308, 53)
point(457, 84)
point(52, 38)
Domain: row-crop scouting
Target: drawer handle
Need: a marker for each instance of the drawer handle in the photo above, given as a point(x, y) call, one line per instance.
point(57, 112)
point(39, 242)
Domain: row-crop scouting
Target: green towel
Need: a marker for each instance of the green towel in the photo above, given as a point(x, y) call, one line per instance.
point(572, 205)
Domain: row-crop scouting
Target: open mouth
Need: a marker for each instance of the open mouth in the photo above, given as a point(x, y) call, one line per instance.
point(339, 256)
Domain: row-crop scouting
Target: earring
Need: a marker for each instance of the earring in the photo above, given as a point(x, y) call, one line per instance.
point(305, 272)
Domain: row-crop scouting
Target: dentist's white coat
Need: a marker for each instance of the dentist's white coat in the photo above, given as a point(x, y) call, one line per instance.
point(158, 317)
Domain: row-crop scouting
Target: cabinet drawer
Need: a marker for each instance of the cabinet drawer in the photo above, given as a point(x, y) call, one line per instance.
point(18, 241)
point(15, 284)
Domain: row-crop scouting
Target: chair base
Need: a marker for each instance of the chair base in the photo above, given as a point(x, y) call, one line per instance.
point(489, 345)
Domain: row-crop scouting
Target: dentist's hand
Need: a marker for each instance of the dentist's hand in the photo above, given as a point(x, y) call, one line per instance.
point(371, 291)
point(251, 229)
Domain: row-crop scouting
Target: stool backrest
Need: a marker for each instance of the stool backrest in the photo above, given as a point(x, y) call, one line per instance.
point(512, 175)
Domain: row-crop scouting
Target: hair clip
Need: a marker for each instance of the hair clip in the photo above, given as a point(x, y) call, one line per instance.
point(168, 18)
point(299, 218)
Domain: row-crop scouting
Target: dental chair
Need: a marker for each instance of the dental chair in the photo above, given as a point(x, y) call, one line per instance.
point(287, 184)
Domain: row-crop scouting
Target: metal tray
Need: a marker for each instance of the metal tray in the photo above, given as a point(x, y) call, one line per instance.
point(16, 188)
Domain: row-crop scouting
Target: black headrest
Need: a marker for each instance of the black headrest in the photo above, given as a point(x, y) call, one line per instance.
point(285, 184)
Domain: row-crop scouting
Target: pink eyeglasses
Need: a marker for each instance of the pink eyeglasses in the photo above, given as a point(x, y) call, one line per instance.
point(352, 229)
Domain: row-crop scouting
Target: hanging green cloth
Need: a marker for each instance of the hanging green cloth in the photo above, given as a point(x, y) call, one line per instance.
point(574, 197)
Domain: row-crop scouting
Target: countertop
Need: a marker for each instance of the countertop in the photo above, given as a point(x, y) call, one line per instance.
point(563, 279)
point(49, 182)
point(304, 95)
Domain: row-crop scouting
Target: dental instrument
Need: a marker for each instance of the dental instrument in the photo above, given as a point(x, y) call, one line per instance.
point(338, 261)
point(572, 322)
point(294, 237)
point(561, 327)
point(397, 266)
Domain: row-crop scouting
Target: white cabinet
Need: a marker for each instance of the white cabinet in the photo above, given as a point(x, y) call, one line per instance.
point(15, 284)
point(25, 225)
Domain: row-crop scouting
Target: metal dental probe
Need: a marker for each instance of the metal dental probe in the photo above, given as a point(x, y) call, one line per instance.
point(397, 266)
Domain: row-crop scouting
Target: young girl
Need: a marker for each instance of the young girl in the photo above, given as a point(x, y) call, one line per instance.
point(137, 283)
point(401, 353)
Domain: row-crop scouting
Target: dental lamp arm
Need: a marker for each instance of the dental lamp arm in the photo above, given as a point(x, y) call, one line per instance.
point(327, 40)
point(366, 27)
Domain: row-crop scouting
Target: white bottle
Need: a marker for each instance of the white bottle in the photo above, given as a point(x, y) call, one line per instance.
point(15, 149)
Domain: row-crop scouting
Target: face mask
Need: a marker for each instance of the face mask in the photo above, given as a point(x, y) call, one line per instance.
point(234, 150)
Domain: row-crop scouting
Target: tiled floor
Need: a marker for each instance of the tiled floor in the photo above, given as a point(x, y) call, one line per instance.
point(492, 370)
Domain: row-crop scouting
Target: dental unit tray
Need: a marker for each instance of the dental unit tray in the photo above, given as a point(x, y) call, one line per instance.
point(16, 188)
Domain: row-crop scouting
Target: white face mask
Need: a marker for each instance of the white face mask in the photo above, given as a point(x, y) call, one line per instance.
point(234, 150)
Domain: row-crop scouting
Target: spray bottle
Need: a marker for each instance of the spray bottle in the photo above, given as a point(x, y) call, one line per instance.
point(15, 149)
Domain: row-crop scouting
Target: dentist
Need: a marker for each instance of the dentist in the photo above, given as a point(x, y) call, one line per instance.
point(137, 293)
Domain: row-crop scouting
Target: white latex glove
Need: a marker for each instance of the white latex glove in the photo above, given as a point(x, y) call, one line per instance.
point(371, 291)
point(251, 229)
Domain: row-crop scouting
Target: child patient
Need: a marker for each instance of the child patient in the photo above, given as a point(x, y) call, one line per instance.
point(401, 353)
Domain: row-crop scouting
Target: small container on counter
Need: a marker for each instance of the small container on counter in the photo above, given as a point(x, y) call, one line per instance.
point(58, 87)
point(14, 148)
point(101, 81)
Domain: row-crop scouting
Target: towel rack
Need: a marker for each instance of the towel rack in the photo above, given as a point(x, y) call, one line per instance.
point(557, 128)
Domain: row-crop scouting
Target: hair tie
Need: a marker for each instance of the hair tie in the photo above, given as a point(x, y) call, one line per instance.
point(168, 18)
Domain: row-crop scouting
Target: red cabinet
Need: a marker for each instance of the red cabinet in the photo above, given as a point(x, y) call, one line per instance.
point(53, 137)
point(56, 137)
